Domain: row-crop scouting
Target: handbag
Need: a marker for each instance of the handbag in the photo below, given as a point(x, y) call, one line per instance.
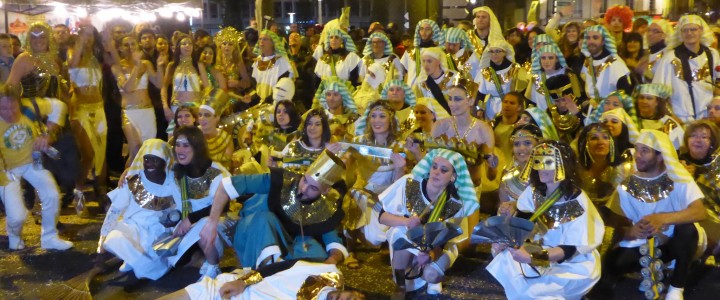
point(167, 245)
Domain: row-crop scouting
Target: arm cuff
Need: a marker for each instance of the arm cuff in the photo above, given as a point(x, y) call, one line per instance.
point(337, 246)
point(229, 188)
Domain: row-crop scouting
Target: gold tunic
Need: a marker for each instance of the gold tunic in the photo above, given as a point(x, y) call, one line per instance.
point(217, 147)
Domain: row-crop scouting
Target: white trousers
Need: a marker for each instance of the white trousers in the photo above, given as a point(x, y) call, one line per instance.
point(15, 210)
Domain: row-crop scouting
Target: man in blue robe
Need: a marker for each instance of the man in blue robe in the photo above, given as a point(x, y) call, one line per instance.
point(291, 216)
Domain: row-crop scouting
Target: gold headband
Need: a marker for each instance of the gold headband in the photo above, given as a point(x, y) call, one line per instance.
point(524, 133)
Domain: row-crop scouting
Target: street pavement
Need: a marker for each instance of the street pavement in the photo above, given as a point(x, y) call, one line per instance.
point(34, 273)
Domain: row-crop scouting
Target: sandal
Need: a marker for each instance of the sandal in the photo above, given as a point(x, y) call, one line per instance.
point(351, 262)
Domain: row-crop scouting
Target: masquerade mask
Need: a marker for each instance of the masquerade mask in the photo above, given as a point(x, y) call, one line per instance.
point(547, 157)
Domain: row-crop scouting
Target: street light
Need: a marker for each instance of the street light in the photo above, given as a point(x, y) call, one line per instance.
point(292, 17)
point(320, 12)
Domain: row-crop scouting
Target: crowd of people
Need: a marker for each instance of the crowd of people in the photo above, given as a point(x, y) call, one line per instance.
point(601, 132)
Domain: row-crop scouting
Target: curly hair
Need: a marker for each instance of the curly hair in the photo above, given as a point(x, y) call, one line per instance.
point(625, 14)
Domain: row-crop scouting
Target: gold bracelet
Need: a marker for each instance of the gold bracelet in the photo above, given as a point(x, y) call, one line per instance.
point(540, 259)
point(251, 278)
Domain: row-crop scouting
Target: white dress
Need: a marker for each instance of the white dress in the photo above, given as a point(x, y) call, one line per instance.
point(209, 184)
point(667, 71)
point(570, 279)
point(131, 238)
point(407, 192)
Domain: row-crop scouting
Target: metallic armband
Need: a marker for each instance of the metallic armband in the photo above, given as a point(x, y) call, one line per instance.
point(251, 278)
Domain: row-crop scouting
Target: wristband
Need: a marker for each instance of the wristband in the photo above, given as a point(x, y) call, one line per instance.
point(251, 278)
point(540, 259)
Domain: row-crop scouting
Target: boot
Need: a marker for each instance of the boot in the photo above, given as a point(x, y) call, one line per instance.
point(49, 239)
point(399, 293)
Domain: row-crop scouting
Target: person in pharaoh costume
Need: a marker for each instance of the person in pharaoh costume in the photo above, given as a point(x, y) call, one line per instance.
point(291, 216)
point(548, 62)
point(461, 52)
point(340, 59)
point(285, 280)
point(524, 138)
point(604, 71)
point(487, 28)
point(657, 35)
point(377, 128)
point(562, 260)
point(499, 75)
point(437, 78)
point(427, 35)
point(654, 111)
point(229, 61)
point(134, 221)
point(198, 177)
point(439, 189)
point(271, 65)
point(690, 62)
point(219, 142)
point(378, 51)
point(402, 99)
point(339, 106)
point(660, 202)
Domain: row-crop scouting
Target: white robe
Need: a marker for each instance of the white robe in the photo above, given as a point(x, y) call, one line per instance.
point(342, 68)
point(570, 279)
point(131, 239)
point(267, 79)
point(535, 96)
point(666, 72)
point(399, 69)
point(607, 78)
point(193, 235)
point(493, 97)
point(408, 61)
point(281, 285)
point(473, 61)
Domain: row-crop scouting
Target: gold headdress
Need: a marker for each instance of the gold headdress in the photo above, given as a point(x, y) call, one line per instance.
point(544, 157)
point(599, 129)
point(464, 82)
point(46, 31)
point(215, 100)
point(327, 168)
point(229, 34)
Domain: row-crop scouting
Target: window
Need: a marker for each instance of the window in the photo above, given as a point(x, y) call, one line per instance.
point(214, 10)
